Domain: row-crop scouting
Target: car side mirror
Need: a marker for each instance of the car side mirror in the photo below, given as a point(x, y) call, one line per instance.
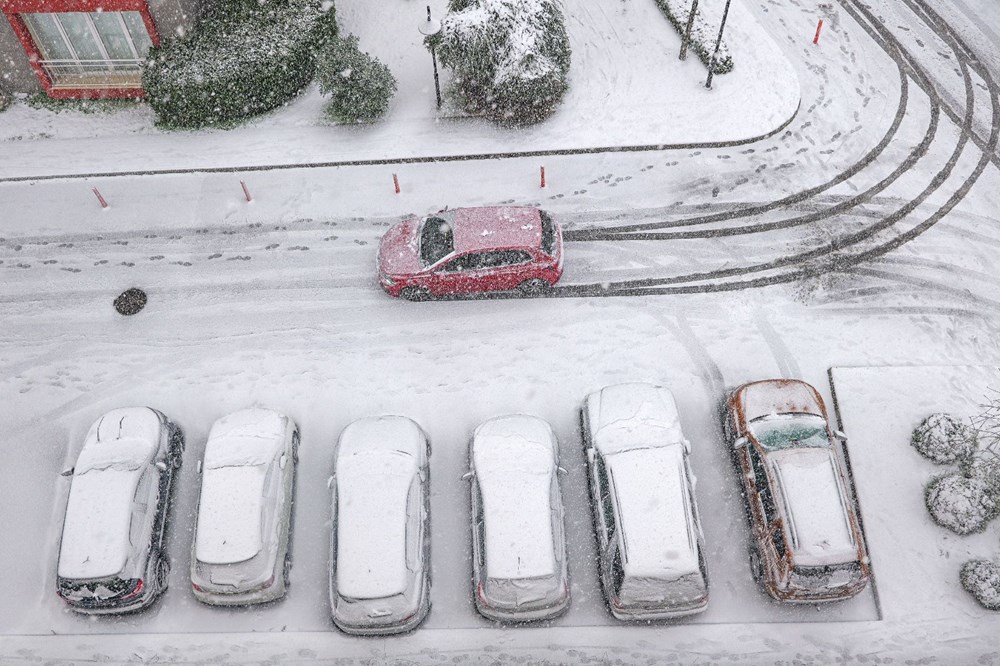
point(561, 470)
point(282, 461)
point(590, 455)
point(160, 465)
point(329, 483)
point(687, 445)
point(467, 475)
point(740, 442)
point(67, 472)
point(199, 467)
point(840, 435)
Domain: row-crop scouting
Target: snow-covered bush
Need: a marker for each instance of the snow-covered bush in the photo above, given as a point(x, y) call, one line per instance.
point(944, 438)
point(982, 579)
point(359, 86)
point(5, 98)
point(961, 503)
point(244, 58)
point(510, 57)
point(703, 33)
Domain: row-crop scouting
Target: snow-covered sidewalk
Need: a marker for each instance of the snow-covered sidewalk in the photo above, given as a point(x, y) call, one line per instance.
point(627, 88)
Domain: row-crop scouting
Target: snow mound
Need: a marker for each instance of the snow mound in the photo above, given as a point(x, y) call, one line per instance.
point(943, 439)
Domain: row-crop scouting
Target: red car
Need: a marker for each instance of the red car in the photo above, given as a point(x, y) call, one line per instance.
point(471, 250)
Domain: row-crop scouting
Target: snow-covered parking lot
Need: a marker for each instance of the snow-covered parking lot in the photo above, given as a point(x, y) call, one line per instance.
point(872, 218)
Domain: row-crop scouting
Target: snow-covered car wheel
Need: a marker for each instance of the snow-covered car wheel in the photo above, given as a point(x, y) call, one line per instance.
point(162, 575)
point(534, 287)
point(415, 294)
point(756, 567)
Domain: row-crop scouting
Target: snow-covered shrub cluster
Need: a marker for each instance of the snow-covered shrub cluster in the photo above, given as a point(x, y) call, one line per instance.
point(982, 579)
point(359, 86)
point(944, 439)
point(961, 502)
point(510, 57)
point(244, 58)
point(703, 33)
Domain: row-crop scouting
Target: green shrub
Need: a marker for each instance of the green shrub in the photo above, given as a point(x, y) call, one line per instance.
point(943, 438)
point(981, 578)
point(243, 59)
point(510, 57)
point(359, 85)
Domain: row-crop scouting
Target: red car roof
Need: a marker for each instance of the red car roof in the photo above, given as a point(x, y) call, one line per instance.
point(496, 227)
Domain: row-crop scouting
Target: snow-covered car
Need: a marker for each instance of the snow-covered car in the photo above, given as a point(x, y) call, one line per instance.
point(112, 555)
point(240, 551)
point(380, 542)
point(519, 545)
point(649, 534)
point(471, 250)
point(806, 543)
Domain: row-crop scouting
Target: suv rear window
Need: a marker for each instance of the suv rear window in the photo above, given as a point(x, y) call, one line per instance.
point(548, 233)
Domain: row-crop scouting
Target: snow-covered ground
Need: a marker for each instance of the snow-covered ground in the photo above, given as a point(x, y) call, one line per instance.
point(274, 303)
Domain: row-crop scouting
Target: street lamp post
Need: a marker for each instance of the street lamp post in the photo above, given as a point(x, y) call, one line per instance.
point(718, 43)
point(686, 39)
point(430, 28)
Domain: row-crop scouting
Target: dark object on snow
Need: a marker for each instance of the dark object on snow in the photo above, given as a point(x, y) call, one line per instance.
point(963, 503)
point(243, 59)
point(944, 439)
point(5, 98)
point(981, 578)
point(359, 86)
point(130, 301)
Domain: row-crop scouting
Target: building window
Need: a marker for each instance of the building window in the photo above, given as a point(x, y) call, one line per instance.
point(90, 49)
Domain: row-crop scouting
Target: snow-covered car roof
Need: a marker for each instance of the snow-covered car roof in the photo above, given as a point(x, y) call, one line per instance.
point(119, 444)
point(246, 437)
point(95, 541)
point(377, 461)
point(814, 506)
point(779, 396)
point(494, 227)
point(240, 447)
point(655, 524)
point(514, 458)
point(634, 415)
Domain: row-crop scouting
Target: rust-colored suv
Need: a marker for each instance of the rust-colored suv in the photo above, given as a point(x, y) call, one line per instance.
point(806, 541)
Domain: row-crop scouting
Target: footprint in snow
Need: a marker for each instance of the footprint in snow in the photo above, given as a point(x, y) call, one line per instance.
point(330, 238)
point(181, 263)
point(156, 258)
point(100, 262)
point(50, 261)
point(239, 258)
point(121, 242)
point(130, 264)
point(272, 246)
point(360, 242)
point(215, 256)
point(298, 247)
point(70, 270)
point(65, 245)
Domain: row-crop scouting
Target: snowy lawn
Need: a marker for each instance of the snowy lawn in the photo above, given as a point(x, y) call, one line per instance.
point(626, 87)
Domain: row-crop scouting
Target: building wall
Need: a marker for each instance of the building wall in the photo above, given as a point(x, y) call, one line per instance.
point(15, 73)
point(172, 18)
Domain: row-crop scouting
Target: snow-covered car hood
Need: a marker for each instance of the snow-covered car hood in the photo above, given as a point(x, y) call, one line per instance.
point(626, 416)
point(815, 508)
point(399, 251)
point(779, 396)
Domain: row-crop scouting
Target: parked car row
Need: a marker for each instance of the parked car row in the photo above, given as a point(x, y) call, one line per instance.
point(806, 546)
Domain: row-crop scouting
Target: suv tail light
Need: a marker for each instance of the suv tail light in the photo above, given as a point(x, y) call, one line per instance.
point(135, 591)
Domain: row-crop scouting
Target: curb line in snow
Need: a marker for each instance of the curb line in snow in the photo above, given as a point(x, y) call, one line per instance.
point(415, 160)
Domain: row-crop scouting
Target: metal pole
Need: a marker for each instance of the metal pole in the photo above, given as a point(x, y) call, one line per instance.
point(718, 43)
point(437, 84)
point(686, 39)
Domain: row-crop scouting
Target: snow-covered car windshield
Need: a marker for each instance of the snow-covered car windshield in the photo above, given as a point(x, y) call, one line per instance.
point(122, 455)
point(785, 431)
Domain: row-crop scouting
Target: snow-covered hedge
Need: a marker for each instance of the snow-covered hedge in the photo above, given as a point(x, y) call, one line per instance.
point(944, 438)
point(961, 503)
point(510, 57)
point(359, 85)
point(703, 33)
point(981, 578)
point(244, 58)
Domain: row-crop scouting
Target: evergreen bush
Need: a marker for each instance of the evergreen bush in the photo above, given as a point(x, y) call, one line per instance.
point(244, 58)
point(703, 34)
point(360, 87)
point(961, 503)
point(981, 578)
point(510, 57)
point(943, 438)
